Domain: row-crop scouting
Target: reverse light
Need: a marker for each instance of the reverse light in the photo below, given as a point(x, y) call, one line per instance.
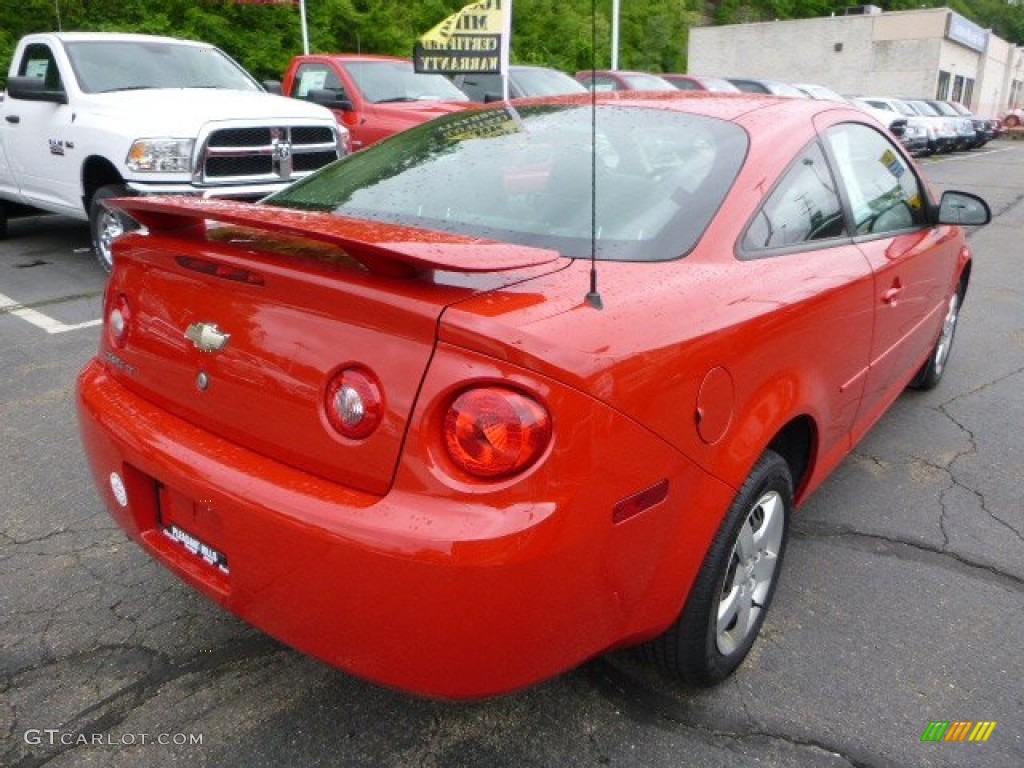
point(160, 156)
point(119, 321)
point(494, 431)
point(355, 404)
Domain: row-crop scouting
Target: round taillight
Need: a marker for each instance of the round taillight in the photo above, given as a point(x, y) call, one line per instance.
point(119, 321)
point(355, 405)
point(493, 431)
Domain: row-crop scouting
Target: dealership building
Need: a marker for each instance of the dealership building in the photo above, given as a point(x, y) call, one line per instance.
point(927, 53)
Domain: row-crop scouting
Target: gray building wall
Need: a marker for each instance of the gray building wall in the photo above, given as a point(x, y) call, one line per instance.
point(885, 54)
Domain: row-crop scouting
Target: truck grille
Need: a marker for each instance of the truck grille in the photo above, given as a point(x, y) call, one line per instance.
point(262, 153)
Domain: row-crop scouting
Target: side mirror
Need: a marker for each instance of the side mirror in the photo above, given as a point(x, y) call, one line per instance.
point(273, 86)
point(963, 208)
point(34, 89)
point(328, 98)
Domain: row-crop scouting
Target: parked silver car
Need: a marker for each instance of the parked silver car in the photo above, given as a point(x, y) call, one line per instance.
point(948, 132)
point(984, 129)
point(967, 137)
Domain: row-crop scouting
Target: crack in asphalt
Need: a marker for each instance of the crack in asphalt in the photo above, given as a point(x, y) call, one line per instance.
point(982, 501)
point(647, 706)
point(907, 549)
point(112, 710)
point(944, 409)
point(807, 529)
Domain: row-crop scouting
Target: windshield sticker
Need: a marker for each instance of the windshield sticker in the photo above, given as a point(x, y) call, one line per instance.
point(311, 81)
point(37, 68)
point(892, 163)
point(483, 125)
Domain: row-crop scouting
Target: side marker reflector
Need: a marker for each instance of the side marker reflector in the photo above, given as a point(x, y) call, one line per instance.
point(638, 502)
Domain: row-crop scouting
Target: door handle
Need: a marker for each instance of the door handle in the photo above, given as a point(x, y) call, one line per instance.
point(892, 295)
point(12, 119)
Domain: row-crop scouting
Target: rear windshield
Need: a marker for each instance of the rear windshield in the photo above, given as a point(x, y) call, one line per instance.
point(528, 176)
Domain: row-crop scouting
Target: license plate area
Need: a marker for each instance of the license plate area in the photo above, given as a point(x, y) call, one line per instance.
point(194, 526)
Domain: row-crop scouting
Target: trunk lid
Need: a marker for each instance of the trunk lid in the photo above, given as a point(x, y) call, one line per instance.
point(238, 328)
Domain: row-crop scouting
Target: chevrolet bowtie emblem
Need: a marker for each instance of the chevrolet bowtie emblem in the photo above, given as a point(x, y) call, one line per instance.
point(207, 337)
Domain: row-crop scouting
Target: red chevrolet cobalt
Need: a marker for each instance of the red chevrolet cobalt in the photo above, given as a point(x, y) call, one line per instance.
point(523, 384)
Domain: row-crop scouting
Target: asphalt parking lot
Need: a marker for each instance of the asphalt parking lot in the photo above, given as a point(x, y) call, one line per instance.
point(901, 602)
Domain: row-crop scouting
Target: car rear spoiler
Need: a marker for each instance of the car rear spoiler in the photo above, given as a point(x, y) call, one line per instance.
point(388, 249)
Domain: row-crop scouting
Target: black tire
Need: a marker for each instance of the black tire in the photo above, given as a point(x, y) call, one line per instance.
point(930, 374)
point(696, 649)
point(3, 219)
point(105, 225)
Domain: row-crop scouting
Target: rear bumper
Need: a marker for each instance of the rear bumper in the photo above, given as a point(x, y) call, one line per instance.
point(447, 597)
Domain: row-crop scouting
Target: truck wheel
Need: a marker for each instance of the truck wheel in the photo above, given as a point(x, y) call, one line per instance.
point(106, 225)
point(3, 219)
point(729, 599)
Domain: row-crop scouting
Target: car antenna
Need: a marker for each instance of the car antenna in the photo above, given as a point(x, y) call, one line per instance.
point(593, 297)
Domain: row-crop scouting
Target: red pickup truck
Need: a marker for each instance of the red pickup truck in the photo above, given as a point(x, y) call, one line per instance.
point(372, 96)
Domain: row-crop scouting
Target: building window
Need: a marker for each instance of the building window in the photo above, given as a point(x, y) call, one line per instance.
point(942, 91)
point(958, 87)
point(968, 91)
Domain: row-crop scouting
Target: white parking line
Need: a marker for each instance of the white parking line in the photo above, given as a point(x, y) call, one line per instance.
point(973, 153)
point(38, 319)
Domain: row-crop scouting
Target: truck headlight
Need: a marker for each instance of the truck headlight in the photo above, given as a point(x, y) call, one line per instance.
point(161, 156)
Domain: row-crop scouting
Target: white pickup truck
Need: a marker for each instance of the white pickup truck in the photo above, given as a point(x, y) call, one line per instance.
point(88, 116)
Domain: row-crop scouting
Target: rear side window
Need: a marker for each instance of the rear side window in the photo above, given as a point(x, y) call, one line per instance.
point(804, 207)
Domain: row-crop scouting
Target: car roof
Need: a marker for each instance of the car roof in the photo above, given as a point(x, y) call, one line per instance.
point(122, 37)
point(723, 106)
point(362, 57)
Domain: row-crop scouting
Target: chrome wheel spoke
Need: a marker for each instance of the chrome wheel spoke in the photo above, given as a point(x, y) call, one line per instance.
point(946, 337)
point(746, 546)
point(769, 534)
point(727, 610)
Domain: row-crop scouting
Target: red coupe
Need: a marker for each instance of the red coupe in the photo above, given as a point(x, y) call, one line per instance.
point(522, 384)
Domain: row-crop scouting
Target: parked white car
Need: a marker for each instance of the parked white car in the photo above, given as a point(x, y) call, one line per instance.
point(940, 139)
point(917, 134)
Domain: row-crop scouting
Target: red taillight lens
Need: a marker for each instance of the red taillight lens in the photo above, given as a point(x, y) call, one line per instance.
point(355, 404)
point(119, 321)
point(493, 431)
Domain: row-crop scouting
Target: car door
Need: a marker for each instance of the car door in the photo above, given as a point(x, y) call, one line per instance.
point(323, 75)
point(801, 231)
point(8, 185)
point(40, 139)
point(913, 262)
